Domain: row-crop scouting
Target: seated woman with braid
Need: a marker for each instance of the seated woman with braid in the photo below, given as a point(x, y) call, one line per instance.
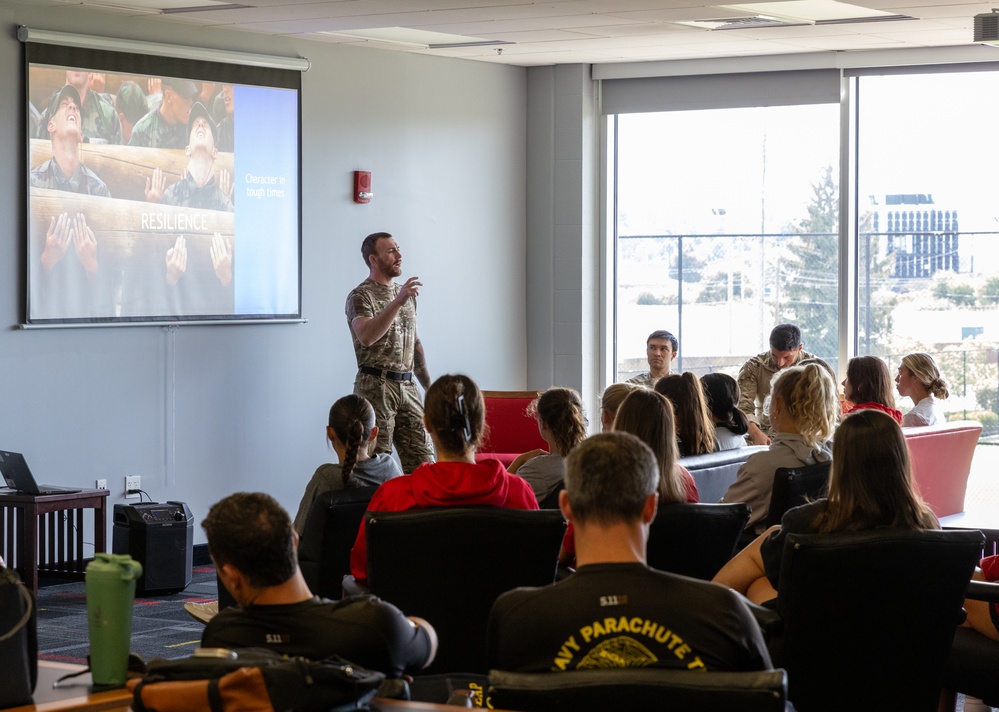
point(352, 433)
point(455, 418)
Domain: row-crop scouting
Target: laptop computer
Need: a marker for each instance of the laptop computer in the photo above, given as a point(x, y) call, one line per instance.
point(15, 471)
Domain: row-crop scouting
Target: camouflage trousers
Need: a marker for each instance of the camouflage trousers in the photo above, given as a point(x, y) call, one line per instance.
point(399, 417)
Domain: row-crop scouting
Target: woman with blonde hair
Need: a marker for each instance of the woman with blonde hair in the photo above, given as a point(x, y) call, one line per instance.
point(611, 400)
point(870, 486)
point(562, 424)
point(695, 432)
point(919, 379)
point(868, 386)
point(804, 406)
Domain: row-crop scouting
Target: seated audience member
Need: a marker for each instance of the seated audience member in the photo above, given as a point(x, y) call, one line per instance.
point(610, 401)
point(352, 433)
point(563, 426)
point(803, 411)
point(919, 379)
point(867, 386)
point(455, 418)
point(660, 349)
point(870, 486)
point(659, 619)
point(721, 393)
point(695, 433)
point(648, 416)
point(757, 374)
point(253, 545)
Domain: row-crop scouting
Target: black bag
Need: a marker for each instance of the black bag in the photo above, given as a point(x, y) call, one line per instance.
point(18, 641)
point(252, 679)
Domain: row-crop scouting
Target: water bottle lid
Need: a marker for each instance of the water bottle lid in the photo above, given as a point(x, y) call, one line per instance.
point(122, 565)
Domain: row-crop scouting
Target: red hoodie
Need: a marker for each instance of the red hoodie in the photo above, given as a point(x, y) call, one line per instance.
point(896, 414)
point(443, 484)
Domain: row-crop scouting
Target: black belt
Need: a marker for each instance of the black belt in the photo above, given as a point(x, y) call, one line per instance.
point(383, 373)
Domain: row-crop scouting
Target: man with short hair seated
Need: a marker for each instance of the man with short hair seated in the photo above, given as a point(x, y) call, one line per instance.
point(615, 611)
point(253, 544)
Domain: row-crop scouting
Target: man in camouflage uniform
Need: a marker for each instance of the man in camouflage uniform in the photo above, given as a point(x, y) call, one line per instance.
point(660, 349)
point(755, 375)
point(382, 319)
point(166, 125)
point(99, 120)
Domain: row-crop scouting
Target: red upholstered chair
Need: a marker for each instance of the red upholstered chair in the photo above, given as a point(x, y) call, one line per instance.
point(941, 462)
point(511, 431)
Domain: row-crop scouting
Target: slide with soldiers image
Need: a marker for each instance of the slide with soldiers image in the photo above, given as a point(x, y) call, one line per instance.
point(140, 207)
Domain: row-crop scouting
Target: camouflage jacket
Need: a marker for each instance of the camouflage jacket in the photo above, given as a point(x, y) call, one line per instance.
point(396, 349)
point(83, 180)
point(153, 131)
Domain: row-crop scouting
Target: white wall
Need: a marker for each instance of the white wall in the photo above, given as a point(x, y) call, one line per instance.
point(201, 411)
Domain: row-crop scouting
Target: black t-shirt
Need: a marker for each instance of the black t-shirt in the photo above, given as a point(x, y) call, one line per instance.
point(624, 615)
point(364, 629)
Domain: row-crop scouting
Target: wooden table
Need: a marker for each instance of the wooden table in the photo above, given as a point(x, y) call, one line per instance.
point(45, 532)
point(73, 694)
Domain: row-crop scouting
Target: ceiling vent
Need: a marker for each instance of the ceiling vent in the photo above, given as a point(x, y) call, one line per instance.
point(748, 23)
point(987, 27)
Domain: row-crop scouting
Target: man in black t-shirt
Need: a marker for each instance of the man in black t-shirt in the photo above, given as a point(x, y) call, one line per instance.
point(253, 543)
point(615, 611)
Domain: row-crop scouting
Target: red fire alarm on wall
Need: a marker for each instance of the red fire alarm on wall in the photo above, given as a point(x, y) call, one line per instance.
point(362, 187)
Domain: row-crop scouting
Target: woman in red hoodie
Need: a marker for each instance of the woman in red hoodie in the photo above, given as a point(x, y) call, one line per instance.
point(455, 418)
point(868, 385)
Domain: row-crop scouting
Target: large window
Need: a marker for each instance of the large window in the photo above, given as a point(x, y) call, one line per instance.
point(727, 224)
point(928, 273)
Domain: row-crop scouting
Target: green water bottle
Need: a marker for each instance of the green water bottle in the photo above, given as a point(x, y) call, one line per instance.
point(110, 582)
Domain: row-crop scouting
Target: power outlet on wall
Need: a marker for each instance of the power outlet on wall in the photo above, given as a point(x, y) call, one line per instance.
point(132, 484)
point(102, 484)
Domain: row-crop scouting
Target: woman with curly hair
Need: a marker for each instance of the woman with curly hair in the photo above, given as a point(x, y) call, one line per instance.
point(721, 392)
point(563, 426)
point(804, 407)
point(352, 433)
point(695, 433)
point(919, 379)
point(868, 386)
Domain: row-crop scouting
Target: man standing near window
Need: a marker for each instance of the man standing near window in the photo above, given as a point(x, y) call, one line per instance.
point(382, 319)
point(786, 350)
point(660, 348)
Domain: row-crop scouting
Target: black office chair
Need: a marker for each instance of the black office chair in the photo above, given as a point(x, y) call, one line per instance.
point(448, 565)
point(695, 539)
point(794, 486)
point(550, 500)
point(638, 688)
point(974, 658)
point(330, 531)
point(868, 617)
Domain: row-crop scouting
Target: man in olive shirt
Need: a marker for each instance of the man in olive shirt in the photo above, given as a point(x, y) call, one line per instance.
point(382, 319)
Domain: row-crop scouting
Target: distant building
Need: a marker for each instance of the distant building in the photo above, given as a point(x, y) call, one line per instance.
point(922, 239)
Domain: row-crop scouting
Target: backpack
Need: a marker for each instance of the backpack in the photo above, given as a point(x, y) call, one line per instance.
point(18, 641)
point(252, 680)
